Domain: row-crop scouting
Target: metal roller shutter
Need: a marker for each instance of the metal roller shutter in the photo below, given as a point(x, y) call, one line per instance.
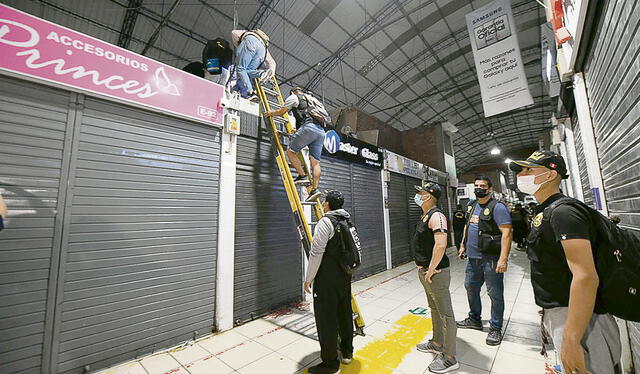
point(414, 211)
point(582, 162)
point(141, 234)
point(368, 205)
point(362, 190)
point(268, 254)
point(399, 222)
point(33, 124)
point(612, 73)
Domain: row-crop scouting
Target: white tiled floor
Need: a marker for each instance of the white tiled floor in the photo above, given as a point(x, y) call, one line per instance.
point(288, 344)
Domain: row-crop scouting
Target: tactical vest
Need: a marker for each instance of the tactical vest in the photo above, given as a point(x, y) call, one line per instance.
point(489, 234)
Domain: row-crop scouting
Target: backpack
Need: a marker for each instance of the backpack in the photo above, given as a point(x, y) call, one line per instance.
point(349, 255)
point(317, 111)
point(617, 260)
point(217, 54)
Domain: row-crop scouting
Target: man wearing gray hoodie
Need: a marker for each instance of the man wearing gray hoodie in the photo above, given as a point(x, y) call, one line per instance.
point(331, 288)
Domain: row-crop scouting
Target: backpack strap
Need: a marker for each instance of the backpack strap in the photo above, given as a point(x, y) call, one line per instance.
point(548, 211)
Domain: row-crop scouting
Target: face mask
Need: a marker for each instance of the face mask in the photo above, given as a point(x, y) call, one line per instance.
point(481, 192)
point(527, 184)
point(418, 200)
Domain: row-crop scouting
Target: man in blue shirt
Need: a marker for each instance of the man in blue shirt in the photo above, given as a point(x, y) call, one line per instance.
point(487, 242)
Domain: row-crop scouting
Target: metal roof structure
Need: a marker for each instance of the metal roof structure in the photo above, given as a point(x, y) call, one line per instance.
point(407, 62)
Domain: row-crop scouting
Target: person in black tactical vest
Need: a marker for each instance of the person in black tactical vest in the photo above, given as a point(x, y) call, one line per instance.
point(428, 247)
point(459, 220)
point(519, 219)
point(487, 242)
point(563, 272)
point(331, 288)
point(309, 133)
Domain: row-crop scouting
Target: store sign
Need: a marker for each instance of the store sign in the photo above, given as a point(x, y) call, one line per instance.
point(403, 165)
point(548, 57)
point(503, 83)
point(43, 51)
point(351, 149)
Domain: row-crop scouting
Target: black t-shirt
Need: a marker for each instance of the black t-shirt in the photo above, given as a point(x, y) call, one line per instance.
point(550, 273)
point(424, 239)
point(1, 223)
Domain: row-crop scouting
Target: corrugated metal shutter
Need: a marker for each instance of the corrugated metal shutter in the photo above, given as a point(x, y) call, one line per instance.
point(612, 75)
point(140, 267)
point(268, 254)
point(415, 212)
point(362, 190)
point(399, 222)
point(33, 124)
point(368, 206)
point(582, 162)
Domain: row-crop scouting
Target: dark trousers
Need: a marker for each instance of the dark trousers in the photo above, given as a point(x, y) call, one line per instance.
point(458, 233)
point(478, 272)
point(332, 310)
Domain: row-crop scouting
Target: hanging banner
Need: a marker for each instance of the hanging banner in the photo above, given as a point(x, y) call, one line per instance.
point(548, 57)
point(503, 83)
point(39, 50)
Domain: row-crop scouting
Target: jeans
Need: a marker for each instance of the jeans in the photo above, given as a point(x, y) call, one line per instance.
point(478, 272)
point(439, 299)
point(310, 135)
point(249, 56)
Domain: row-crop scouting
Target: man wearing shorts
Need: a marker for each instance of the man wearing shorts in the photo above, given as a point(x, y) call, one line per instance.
point(309, 133)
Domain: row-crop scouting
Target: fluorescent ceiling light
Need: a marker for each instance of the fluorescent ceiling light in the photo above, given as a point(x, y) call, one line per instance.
point(495, 151)
point(507, 160)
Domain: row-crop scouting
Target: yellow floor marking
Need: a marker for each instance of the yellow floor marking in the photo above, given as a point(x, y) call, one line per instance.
point(384, 354)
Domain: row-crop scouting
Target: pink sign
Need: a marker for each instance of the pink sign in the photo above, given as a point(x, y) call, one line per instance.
point(60, 56)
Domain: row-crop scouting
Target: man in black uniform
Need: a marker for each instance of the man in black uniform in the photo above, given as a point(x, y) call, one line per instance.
point(563, 273)
point(331, 288)
point(3, 212)
point(459, 221)
point(519, 219)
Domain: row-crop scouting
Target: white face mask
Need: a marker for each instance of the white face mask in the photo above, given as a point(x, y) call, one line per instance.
point(418, 200)
point(527, 184)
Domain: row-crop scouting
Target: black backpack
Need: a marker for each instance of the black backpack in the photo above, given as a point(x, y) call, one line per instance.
point(349, 254)
point(617, 260)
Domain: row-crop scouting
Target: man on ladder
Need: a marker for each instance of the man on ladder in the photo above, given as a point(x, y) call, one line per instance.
point(311, 117)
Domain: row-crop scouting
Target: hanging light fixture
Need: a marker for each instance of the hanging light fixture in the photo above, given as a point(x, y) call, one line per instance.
point(507, 160)
point(495, 151)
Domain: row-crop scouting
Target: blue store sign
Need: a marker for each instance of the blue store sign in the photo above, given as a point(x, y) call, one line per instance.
point(351, 149)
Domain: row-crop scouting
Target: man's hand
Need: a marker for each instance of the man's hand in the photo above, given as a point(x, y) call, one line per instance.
point(461, 251)
point(430, 273)
point(307, 287)
point(268, 114)
point(572, 357)
point(502, 266)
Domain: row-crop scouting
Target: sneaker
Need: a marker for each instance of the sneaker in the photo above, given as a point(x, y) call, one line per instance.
point(323, 368)
point(494, 337)
point(442, 364)
point(302, 180)
point(429, 347)
point(469, 323)
point(347, 359)
point(264, 76)
point(313, 194)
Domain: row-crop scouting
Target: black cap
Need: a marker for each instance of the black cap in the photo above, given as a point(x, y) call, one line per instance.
point(334, 198)
point(542, 159)
point(431, 188)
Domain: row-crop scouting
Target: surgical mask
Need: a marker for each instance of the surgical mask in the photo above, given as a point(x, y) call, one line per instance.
point(481, 192)
point(418, 200)
point(527, 184)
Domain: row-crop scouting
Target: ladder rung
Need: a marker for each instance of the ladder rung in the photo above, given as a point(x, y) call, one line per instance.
point(309, 202)
point(279, 119)
point(270, 91)
point(273, 105)
point(284, 133)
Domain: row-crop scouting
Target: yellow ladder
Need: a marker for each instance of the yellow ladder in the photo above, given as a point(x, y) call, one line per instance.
point(271, 99)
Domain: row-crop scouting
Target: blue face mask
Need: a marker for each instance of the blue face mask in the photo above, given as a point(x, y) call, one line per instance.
point(418, 199)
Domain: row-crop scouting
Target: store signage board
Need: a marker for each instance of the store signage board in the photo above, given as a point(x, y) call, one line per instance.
point(42, 51)
point(350, 149)
point(503, 83)
point(403, 165)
